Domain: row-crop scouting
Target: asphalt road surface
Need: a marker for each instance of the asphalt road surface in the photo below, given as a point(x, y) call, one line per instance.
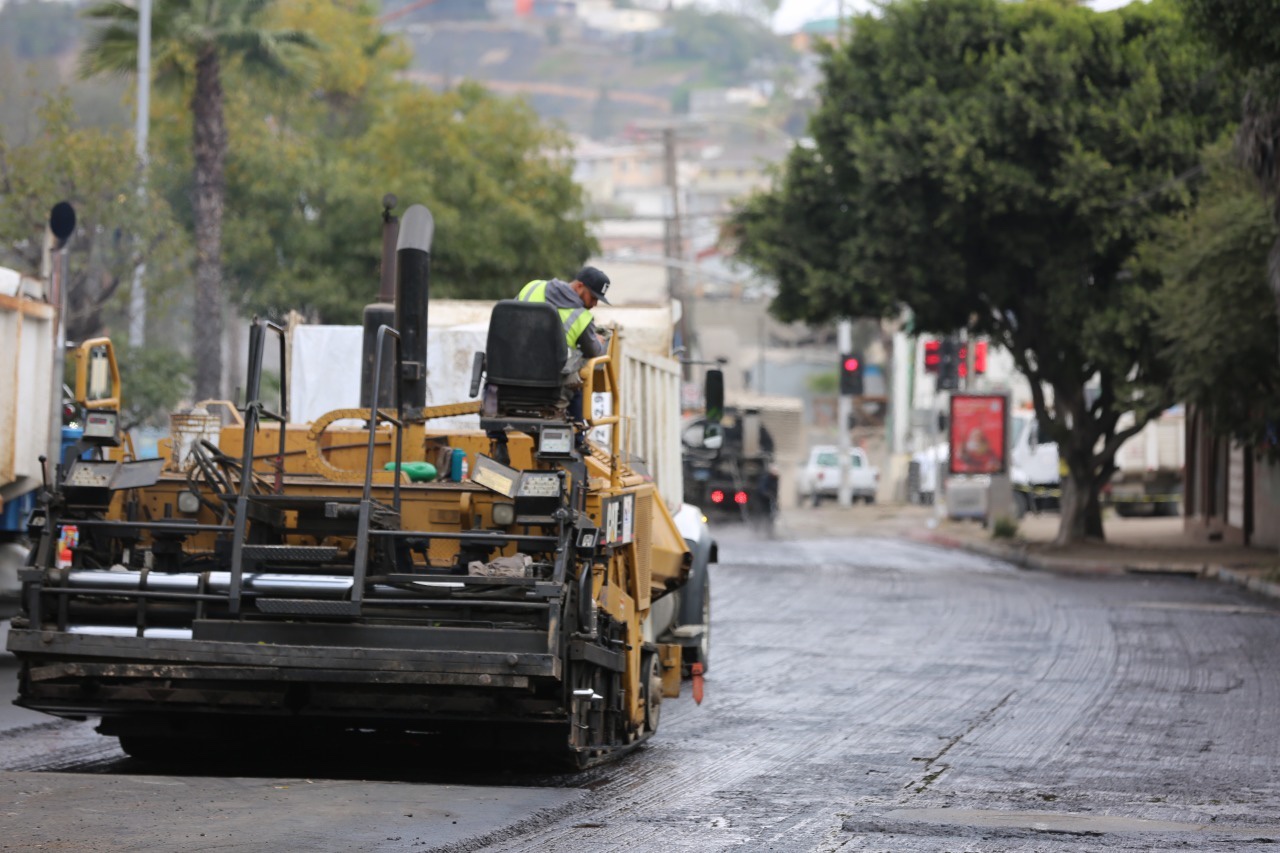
point(864, 694)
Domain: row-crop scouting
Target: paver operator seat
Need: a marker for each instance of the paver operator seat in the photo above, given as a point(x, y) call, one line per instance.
point(524, 367)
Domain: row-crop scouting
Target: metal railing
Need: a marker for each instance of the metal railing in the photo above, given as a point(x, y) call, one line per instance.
point(254, 413)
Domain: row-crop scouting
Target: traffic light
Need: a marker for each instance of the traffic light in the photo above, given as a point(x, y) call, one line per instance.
point(949, 364)
point(851, 374)
point(931, 355)
point(980, 357)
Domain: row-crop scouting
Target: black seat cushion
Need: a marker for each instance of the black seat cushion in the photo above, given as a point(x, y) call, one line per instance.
point(526, 345)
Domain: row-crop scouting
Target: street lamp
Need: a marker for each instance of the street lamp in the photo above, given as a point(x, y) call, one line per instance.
point(138, 295)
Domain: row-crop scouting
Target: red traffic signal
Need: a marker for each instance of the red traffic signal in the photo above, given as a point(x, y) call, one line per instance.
point(850, 374)
point(932, 355)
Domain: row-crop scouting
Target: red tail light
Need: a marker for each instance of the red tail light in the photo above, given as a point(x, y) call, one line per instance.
point(717, 497)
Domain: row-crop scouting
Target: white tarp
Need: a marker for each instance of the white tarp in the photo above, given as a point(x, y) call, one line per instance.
point(325, 370)
point(325, 375)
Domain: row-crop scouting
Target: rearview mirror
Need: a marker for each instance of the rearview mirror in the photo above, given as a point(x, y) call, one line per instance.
point(713, 393)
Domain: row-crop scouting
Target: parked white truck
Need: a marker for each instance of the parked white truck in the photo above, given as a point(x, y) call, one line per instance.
point(1148, 480)
point(27, 326)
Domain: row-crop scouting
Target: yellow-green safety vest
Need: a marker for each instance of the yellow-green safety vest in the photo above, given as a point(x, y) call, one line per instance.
point(575, 320)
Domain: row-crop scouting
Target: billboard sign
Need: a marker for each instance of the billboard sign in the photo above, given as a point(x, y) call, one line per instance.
point(978, 434)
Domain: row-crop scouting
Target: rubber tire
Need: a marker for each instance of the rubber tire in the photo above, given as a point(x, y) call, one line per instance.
point(651, 671)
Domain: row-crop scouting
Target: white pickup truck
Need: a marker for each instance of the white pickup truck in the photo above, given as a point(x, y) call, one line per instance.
point(820, 476)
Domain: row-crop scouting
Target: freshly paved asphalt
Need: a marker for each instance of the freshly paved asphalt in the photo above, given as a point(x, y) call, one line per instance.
point(864, 694)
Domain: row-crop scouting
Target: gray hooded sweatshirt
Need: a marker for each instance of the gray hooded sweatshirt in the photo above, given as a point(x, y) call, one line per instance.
point(560, 294)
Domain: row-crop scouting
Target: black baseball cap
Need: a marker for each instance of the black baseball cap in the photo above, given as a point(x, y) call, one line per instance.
point(595, 281)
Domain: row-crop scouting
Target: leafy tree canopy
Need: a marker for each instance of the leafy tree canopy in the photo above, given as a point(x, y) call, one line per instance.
point(306, 175)
point(993, 166)
point(1215, 307)
point(95, 171)
point(1246, 31)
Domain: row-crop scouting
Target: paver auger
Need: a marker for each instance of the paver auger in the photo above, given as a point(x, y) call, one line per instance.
point(298, 581)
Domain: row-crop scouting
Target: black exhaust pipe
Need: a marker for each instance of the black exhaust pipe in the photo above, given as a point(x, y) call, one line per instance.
point(413, 284)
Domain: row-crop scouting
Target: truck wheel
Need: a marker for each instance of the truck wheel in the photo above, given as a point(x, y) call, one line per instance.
point(651, 671)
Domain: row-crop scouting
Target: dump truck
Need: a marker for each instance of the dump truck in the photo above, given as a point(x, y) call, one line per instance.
point(343, 576)
point(27, 385)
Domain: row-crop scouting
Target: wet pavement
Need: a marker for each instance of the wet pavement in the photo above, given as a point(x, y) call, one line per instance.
point(865, 693)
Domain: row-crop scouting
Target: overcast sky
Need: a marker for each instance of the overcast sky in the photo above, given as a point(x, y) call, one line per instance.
point(793, 13)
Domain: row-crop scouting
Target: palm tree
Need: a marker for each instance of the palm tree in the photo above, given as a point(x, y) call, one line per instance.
point(196, 39)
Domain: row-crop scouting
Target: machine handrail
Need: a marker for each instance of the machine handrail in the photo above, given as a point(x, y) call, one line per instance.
point(254, 412)
point(588, 389)
point(361, 569)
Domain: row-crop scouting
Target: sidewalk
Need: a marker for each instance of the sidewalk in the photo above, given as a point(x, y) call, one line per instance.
point(1134, 545)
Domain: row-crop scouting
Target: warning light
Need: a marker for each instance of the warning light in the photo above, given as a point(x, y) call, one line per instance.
point(740, 498)
point(717, 496)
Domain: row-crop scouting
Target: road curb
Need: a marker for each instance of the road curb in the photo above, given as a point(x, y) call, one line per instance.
point(1250, 582)
point(1020, 556)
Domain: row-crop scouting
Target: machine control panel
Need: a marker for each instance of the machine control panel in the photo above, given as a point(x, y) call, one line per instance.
point(90, 482)
point(538, 493)
point(555, 442)
point(102, 427)
point(91, 475)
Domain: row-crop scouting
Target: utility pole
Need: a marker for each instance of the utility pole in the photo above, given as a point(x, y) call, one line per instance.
point(674, 242)
point(674, 238)
point(138, 294)
point(844, 409)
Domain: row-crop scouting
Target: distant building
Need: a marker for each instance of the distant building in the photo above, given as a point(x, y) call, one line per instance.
point(705, 104)
point(824, 29)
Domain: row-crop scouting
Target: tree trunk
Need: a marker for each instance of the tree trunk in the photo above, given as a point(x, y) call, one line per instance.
point(210, 145)
point(1081, 509)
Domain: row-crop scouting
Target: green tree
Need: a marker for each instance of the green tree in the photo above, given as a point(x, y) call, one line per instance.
point(1247, 33)
point(1215, 308)
point(193, 40)
point(93, 170)
point(305, 177)
point(993, 166)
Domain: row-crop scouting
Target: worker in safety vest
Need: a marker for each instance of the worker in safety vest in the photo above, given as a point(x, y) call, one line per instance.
point(574, 300)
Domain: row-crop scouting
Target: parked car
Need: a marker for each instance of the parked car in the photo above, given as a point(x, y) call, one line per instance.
point(820, 476)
